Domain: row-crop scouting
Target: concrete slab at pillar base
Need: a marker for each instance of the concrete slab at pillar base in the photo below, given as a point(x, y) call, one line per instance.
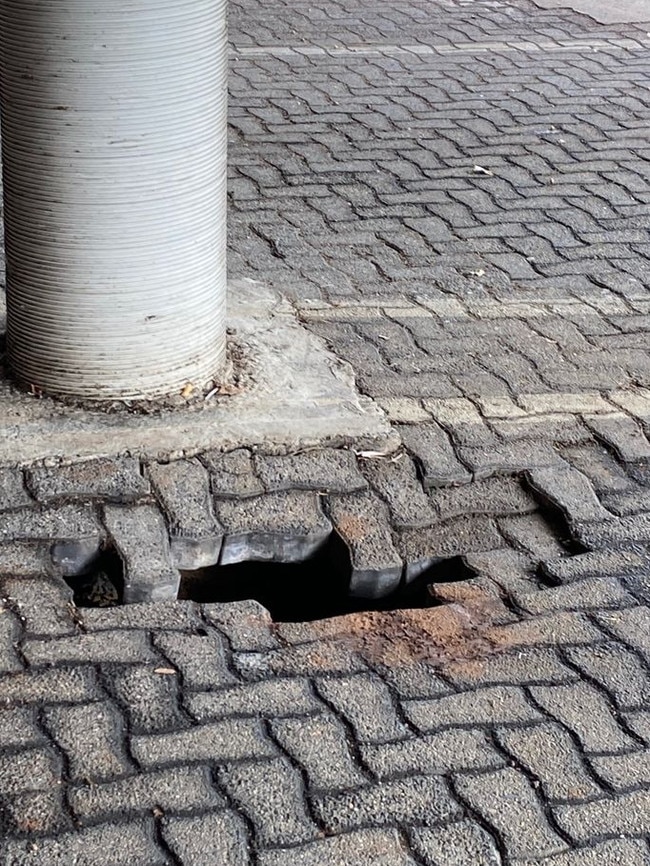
point(299, 396)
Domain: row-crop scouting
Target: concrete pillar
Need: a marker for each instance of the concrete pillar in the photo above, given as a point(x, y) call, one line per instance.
point(114, 168)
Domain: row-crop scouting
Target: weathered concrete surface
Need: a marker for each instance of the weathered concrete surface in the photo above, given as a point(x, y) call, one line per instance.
point(298, 395)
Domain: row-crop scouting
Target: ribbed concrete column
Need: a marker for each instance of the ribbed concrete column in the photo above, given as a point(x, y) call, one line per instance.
point(114, 152)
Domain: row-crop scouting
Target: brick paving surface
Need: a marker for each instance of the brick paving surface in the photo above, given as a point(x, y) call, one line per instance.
point(455, 197)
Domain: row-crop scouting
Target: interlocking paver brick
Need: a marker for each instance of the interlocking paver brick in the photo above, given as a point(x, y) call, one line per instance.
point(618, 531)
point(627, 815)
point(441, 752)
point(50, 686)
point(590, 593)
point(361, 847)
point(183, 489)
point(492, 496)
point(463, 843)
point(18, 727)
point(120, 645)
point(506, 800)
point(282, 527)
point(321, 747)
point(36, 812)
point(32, 769)
point(130, 843)
point(167, 615)
point(286, 697)
point(92, 739)
point(200, 658)
point(361, 521)
point(631, 626)
point(603, 563)
point(232, 474)
point(246, 624)
point(488, 706)
point(327, 469)
point(413, 800)
point(623, 772)
point(548, 752)
point(217, 742)
point(570, 491)
point(632, 852)
point(586, 712)
point(622, 434)
point(13, 493)
point(150, 699)
point(204, 840)
point(617, 669)
point(533, 533)
point(118, 480)
point(140, 537)
point(566, 627)
point(44, 605)
point(395, 480)
point(25, 559)
point(514, 668)
point(366, 704)
point(270, 794)
point(431, 446)
point(174, 790)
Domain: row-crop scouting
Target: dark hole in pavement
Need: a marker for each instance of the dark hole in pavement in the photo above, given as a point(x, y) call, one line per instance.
point(314, 589)
point(102, 585)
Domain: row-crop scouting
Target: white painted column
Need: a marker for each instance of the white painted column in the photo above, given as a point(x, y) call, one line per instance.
point(114, 168)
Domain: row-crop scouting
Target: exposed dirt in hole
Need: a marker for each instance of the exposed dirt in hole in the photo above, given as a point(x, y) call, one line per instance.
point(454, 631)
point(100, 586)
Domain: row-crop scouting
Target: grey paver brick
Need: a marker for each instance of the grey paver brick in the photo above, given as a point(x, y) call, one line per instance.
point(488, 706)
point(110, 646)
point(183, 489)
point(622, 434)
point(623, 772)
point(18, 728)
point(593, 592)
point(604, 472)
point(50, 686)
point(92, 738)
point(130, 843)
point(421, 548)
point(266, 698)
point(603, 563)
point(533, 533)
point(44, 605)
point(282, 527)
point(570, 491)
point(174, 790)
point(565, 627)
point(247, 625)
point(396, 481)
point(232, 474)
point(627, 815)
point(270, 794)
point(320, 746)
point(508, 457)
point(631, 626)
point(365, 702)
point(205, 840)
point(201, 658)
point(300, 661)
point(361, 847)
point(150, 699)
point(586, 712)
point(623, 530)
point(117, 480)
point(632, 852)
point(323, 469)
point(463, 843)
point(431, 446)
point(13, 493)
point(617, 669)
point(31, 769)
point(9, 638)
point(25, 559)
point(506, 800)
point(441, 752)
point(140, 537)
point(210, 743)
point(548, 752)
point(492, 496)
point(167, 615)
point(36, 812)
point(415, 800)
point(361, 521)
point(65, 522)
point(514, 668)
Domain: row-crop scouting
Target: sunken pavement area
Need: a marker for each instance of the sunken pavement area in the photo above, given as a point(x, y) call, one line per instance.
point(440, 654)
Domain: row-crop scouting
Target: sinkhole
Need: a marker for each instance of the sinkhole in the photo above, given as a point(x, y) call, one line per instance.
point(314, 589)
